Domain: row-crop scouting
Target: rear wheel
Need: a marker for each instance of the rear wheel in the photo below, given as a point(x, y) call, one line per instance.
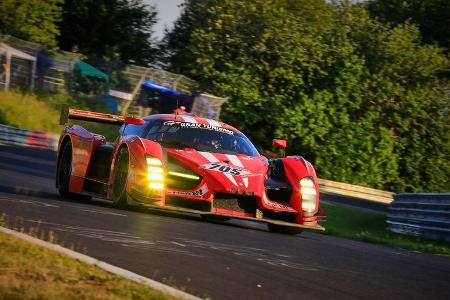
point(64, 170)
point(119, 188)
point(283, 229)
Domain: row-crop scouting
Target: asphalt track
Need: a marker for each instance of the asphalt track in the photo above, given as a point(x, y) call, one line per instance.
point(237, 260)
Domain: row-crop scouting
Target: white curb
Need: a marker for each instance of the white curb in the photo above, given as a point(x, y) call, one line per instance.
point(105, 266)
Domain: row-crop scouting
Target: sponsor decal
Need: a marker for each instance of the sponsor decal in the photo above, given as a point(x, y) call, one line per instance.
point(198, 126)
point(276, 205)
point(225, 168)
point(82, 143)
point(200, 192)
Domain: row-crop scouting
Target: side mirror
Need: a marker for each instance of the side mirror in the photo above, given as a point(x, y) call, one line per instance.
point(134, 121)
point(279, 143)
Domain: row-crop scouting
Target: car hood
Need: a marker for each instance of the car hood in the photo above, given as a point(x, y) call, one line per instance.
point(225, 172)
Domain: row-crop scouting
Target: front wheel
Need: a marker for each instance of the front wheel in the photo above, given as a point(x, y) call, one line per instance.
point(64, 170)
point(283, 229)
point(119, 188)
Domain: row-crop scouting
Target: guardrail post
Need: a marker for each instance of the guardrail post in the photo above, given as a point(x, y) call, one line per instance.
point(8, 70)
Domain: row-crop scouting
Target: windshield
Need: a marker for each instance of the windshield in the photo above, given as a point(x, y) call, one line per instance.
point(174, 134)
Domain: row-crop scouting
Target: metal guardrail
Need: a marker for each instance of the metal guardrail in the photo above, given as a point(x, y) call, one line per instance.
point(29, 138)
point(421, 214)
point(355, 191)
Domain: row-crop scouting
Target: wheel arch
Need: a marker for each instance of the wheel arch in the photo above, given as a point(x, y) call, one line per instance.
point(112, 173)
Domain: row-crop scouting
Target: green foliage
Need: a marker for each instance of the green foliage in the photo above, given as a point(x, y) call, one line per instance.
point(431, 16)
point(109, 29)
point(358, 97)
point(33, 20)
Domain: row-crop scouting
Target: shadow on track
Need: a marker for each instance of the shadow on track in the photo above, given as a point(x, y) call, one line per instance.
point(99, 202)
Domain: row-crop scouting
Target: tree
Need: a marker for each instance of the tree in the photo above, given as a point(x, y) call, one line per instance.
point(32, 20)
point(431, 16)
point(358, 97)
point(109, 29)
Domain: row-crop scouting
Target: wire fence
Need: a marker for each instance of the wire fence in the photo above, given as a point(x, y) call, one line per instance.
point(29, 66)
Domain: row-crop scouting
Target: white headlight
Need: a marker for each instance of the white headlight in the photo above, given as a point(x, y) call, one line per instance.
point(309, 194)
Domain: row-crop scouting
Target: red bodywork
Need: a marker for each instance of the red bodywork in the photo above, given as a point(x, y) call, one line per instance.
point(248, 185)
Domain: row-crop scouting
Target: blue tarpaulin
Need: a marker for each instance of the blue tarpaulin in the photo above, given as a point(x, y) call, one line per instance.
point(151, 85)
point(166, 100)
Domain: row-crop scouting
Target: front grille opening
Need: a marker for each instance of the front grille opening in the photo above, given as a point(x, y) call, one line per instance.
point(280, 195)
point(190, 204)
point(179, 182)
point(278, 190)
point(238, 203)
point(279, 216)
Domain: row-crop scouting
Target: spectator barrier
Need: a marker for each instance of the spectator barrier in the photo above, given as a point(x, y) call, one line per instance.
point(29, 138)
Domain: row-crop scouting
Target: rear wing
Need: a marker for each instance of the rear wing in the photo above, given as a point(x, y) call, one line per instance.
point(85, 115)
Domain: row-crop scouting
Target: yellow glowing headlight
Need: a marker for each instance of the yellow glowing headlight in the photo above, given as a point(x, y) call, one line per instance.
point(156, 185)
point(155, 177)
point(153, 161)
point(155, 173)
point(155, 170)
point(309, 194)
point(184, 175)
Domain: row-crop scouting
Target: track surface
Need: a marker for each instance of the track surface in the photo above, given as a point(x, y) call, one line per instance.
point(237, 260)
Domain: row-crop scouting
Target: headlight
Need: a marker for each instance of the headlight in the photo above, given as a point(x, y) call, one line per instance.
point(179, 176)
point(309, 194)
point(184, 175)
point(155, 173)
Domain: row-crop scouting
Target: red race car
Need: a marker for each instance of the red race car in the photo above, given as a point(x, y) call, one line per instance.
point(187, 163)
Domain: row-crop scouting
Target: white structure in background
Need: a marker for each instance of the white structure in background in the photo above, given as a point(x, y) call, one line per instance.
point(120, 95)
point(15, 66)
point(208, 106)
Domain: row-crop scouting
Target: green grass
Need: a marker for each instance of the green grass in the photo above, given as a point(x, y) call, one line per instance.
point(27, 111)
point(41, 112)
point(371, 227)
point(31, 272)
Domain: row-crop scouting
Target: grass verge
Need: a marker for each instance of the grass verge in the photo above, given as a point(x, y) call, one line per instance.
point(41, 112)
point(371, 227)
point(26, 111)
point(32, 272)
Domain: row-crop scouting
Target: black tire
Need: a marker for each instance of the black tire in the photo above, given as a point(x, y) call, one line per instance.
point(64, 170)
point(119, 187)
point(283, 229)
